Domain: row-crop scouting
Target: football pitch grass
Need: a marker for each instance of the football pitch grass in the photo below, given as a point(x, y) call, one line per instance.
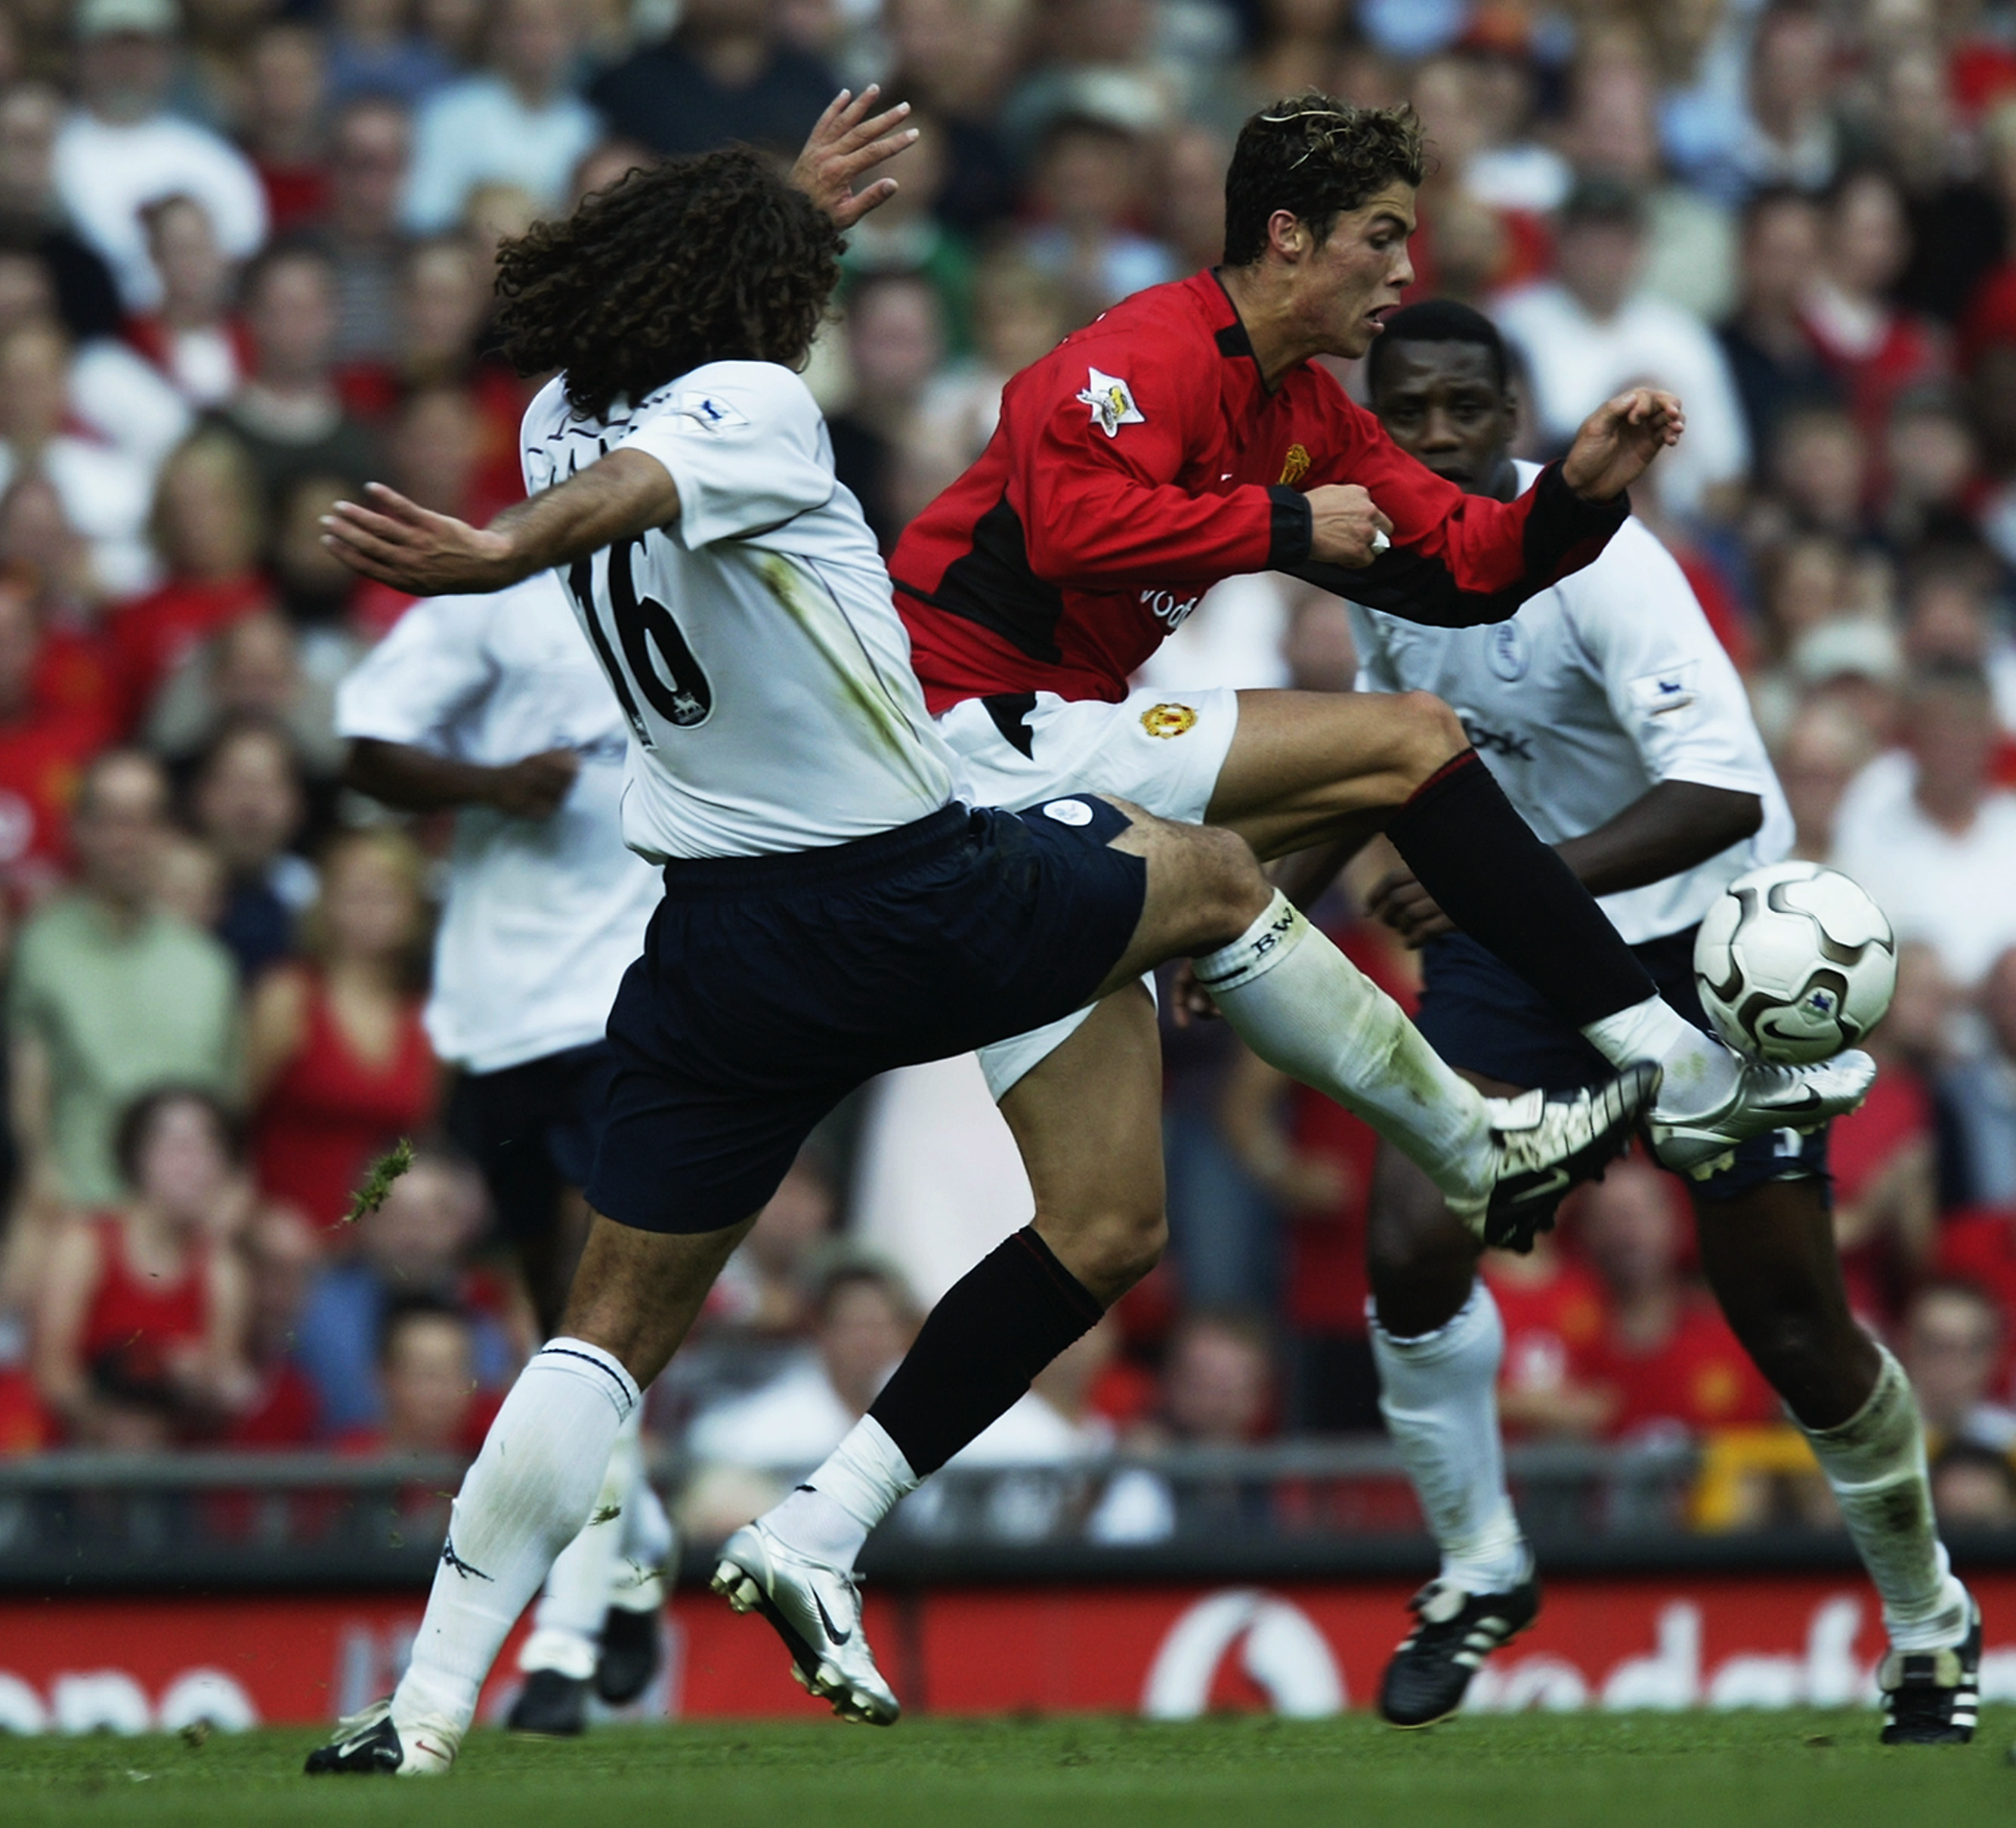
point(1785, 1770)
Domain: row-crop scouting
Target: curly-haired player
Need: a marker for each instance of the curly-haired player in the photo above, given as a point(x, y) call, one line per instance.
point(833, 908)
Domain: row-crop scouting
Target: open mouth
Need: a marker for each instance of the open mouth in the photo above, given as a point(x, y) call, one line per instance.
point(1376, 317)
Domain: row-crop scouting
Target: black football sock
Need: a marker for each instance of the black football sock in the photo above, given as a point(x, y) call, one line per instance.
point(1489, 873)
point(995, 1327)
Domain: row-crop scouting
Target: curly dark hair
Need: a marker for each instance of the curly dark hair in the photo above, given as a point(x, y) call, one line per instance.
point(1315, 156)
point(714, 258)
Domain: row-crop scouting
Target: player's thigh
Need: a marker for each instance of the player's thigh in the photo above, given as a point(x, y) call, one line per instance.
point(636, 1292)
point(1307, 768)
point(1088, 1120)
point(1204, 888)
point(1768, 1253)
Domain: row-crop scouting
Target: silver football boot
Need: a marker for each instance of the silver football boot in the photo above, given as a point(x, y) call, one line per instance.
point(815, 1608)
point(1766, 1097)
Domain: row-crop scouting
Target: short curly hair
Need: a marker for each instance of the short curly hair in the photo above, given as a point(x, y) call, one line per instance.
point(714, 258)
point(1315, 157)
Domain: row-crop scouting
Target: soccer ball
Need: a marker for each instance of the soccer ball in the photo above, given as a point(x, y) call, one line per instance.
point(1795, 962)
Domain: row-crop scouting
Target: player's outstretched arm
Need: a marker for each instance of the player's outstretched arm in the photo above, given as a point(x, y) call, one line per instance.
point(847, 142)
point(413, 548)
point(1618, 441)
point(417, 780)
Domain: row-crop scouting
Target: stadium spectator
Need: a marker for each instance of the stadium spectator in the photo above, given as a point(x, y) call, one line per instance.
point(287, 412)
point(1089, 184)
point(895, 341)
point(725, 74)
point(1973, 1487)
point(1553, 1309)
point(190, 337)
point(121, 149)
point(1875, 351)
point(1665, 1356)
point(253, 668)
point(1930, 835)
point(1772, 361)
point(283, 128)
point(43, 746)
point(1589, 331)
point(248, 803)
point(374, 51)
point(517, 121)
point(207, 529)
point(338, 1065)
point(35, 220)
point(955, 58)
point(1951, 1343)
point(428, 1402)
point(104, 492)
point(416, 1244)
point(141, 1330)
point(279, 1408)
point(863, 1320)
point(1821, 753)
point(370, 160)
point(109, 995)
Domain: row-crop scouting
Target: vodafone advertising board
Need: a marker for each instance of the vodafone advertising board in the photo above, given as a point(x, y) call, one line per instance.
point(139, 1664)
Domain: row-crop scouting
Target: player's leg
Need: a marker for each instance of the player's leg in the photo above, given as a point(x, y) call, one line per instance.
point(532, 1488)
point(1438, 1342)
point(1769, 1252)
point(1303, 767)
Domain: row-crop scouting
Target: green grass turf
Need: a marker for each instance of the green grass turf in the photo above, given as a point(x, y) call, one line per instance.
point(1644, 1771)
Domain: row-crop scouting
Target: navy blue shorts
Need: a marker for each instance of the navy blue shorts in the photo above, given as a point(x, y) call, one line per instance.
point(1483, 1017)
point(770, 987)
point(533, 1129)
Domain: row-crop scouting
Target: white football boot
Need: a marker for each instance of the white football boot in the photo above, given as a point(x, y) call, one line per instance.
point(1543, 1143)
point(367, 1744)
point(1766, 1097)
point(815, 1608)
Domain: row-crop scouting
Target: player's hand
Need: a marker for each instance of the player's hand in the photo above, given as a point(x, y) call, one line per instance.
point(1618, 441)
point(846, 142)
point(534, 787)
point(412, 549)
point(1189, 1001)
point(1407, 908)
point(1345, 526)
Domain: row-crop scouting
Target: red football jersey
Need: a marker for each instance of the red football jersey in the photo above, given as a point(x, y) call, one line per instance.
point(1143, 460)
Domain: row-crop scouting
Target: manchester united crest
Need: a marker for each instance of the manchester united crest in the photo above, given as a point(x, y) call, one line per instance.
point(1295, 465)
point(1167, 720)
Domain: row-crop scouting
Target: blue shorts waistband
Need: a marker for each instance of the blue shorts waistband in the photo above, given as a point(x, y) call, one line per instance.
point(828, 866)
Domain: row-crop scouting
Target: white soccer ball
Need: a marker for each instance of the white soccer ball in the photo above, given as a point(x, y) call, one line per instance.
point(1795, 962)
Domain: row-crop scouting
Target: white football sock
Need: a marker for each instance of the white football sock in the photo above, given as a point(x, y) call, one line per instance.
point(566, 1627)
point(646, 1568)
point(1697, 1073)
point(528, 1495)
point(830, 1515)
point(1303, 1006)
point(1439, 1395)
point(1875, 1461)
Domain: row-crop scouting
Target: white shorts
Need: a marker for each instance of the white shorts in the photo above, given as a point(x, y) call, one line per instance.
point(1162, 751)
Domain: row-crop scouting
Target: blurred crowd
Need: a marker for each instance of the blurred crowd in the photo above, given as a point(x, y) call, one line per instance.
point(245, 259)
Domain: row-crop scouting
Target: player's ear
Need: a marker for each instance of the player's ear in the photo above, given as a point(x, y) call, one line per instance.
point(1288, 235)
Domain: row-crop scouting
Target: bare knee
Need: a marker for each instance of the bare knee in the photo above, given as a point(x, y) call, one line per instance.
point(1427, 734)
point(1110, 1247)
point(1229, 890)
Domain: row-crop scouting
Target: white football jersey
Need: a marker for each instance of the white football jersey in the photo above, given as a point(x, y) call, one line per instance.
point(1599, 687)
point(543, 916)
point(758, 661)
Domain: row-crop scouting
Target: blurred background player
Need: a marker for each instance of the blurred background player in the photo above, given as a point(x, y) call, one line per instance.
point(1619, 729)
point(493, 707)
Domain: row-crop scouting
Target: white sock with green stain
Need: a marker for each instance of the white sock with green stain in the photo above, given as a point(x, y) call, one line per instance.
point(526, 1498)
point(1303, 1006)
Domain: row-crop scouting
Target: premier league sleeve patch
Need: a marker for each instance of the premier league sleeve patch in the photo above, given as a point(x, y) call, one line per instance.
point(707, 411)
point(1112, 403)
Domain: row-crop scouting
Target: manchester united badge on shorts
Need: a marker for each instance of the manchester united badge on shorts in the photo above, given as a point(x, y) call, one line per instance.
point(1167, 720)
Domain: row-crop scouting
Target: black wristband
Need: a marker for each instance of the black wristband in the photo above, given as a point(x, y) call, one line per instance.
point(1294, 529)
